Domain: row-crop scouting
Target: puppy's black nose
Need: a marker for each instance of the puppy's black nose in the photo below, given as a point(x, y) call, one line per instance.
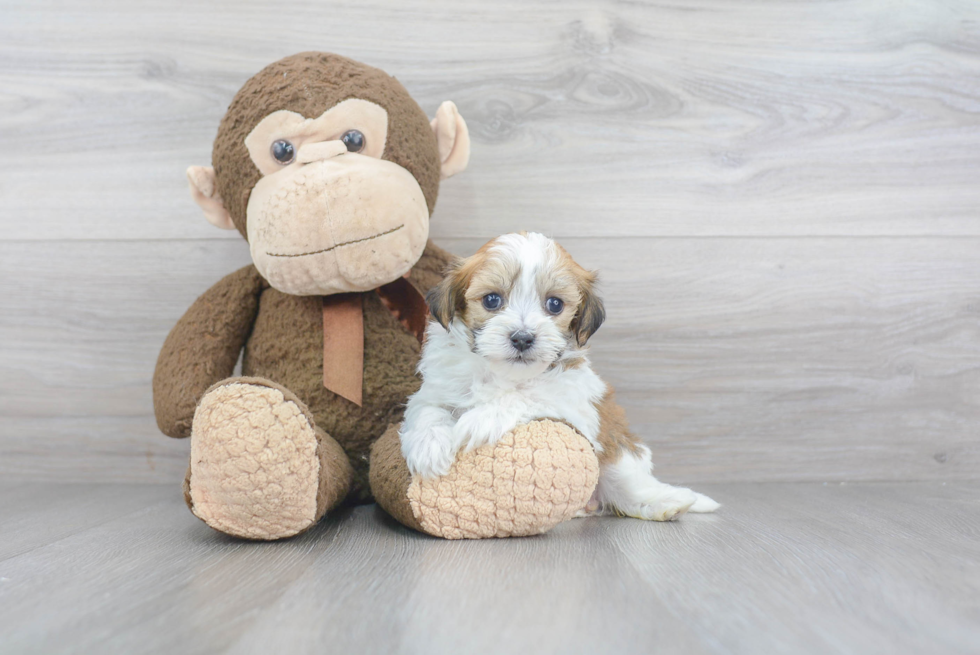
point(522, 340)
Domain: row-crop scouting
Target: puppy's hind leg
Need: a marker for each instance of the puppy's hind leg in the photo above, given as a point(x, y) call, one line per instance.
point(703, 505)
point(627, 487)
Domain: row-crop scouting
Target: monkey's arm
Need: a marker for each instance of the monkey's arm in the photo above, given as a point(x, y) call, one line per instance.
point(203, 347)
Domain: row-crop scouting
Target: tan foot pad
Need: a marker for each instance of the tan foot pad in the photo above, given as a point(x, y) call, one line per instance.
point(537, 476)
point(254, 466)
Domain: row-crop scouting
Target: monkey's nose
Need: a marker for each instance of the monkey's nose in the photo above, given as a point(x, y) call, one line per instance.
point(311, 152)
point(522, 340)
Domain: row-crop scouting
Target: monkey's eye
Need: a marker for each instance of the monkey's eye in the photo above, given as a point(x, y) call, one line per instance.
point(283, 151)
point(555, 305)
point(492, 301)
point(354, 140)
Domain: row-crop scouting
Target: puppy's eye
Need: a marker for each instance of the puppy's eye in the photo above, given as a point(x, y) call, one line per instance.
point(283, 151)
point(555, 305)
point(354, 140)
point(492, 301)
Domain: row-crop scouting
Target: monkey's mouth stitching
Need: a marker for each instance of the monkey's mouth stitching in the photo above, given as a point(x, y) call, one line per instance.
point(334, 247)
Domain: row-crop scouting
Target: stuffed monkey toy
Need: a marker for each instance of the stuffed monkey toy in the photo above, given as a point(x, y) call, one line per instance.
point(330, 170)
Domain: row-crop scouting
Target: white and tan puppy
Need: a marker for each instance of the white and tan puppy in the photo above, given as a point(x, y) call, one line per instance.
point(509, 346)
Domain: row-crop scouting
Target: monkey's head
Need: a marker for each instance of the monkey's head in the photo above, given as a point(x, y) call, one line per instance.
point(330, 170)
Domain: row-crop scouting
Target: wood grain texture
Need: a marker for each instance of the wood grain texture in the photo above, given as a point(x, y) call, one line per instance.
point(794, 568)
point(782, 197)
point(737, 359)
point(588, 117)
point(36, 515)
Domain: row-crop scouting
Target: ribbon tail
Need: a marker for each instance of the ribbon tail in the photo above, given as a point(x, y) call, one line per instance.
point(343, 345)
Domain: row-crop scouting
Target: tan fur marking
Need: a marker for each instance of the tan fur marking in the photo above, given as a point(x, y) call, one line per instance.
point(575, 286)
point(615, 436)
point(564, 286)
point(487, 274)
point(570, 364)
point(448, 300)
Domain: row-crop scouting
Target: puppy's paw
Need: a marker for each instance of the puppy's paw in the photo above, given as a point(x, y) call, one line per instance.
point(431, 454)
point(592, 508)
point(665, 506)
point(703, 504)
point(480, 426)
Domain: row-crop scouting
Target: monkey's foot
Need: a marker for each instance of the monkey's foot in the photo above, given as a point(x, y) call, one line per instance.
point(260, 469)
point(536, 476)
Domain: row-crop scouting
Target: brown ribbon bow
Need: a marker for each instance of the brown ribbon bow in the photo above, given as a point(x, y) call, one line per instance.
point(343, 333)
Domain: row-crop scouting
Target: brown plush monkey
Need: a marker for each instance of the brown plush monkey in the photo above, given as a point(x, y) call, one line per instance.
point(331, 170)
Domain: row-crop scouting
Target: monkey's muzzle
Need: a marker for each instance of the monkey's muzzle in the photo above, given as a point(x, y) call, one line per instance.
point(349, 223)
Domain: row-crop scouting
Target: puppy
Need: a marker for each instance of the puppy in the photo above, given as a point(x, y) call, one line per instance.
point(507, 346)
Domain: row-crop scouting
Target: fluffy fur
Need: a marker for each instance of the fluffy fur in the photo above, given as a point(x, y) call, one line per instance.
point(487, 369)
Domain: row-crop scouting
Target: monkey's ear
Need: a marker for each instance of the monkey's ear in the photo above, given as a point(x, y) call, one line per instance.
point(206, 196)
point(453, 138)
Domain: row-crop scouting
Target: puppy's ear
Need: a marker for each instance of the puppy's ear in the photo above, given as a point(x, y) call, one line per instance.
point(449, 296)
point(591, 312)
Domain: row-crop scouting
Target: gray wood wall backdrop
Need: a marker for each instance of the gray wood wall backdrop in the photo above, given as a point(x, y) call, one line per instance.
point(783, 198)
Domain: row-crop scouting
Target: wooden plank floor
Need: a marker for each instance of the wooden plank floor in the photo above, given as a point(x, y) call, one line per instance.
point(783, 567)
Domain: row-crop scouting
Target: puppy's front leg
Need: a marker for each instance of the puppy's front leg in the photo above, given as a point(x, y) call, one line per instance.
point(485, 424)
point(429, 444)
